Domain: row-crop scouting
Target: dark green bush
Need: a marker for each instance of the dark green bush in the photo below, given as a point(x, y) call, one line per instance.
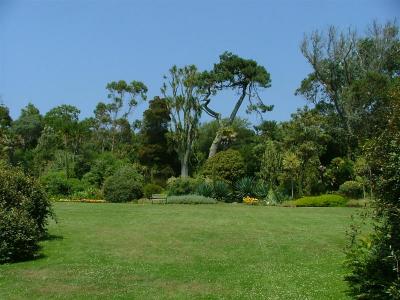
point(103, 167)
point(56, 184)
point(205, 189)
point(19, 235)
point(24, 209)
point(225, 165)
point(181, 186)
point(23, 192)
point(125, 185)
point(339, 170)
point(222, 192)
point(88, 193)
point(351, 189)
point(261, 190)
point(190, 199)
point(150, 189)
point(323, 200)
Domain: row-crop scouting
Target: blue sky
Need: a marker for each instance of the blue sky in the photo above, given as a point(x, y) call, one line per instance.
point(65, 52)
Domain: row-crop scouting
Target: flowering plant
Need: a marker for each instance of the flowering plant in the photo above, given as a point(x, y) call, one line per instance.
point(250, 200)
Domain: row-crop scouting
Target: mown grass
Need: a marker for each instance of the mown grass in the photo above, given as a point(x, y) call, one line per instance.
point(127, 251)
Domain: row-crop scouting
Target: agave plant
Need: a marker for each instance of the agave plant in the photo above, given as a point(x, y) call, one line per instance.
point(221, 190)
point(205, 189)
point(261, 190)
point(245, 187)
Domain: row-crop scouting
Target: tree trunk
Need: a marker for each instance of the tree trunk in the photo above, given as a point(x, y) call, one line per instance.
point(185, 165)
point(215, 144)
point(292, 189)
point(218, 136)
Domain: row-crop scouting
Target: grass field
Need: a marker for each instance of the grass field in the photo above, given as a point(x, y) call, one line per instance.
point(126, 251)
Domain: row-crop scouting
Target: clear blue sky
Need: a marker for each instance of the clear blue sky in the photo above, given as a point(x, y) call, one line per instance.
point(65, 51)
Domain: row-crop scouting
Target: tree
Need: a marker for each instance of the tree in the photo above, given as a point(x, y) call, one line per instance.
point(181, 92)
point(64, 120)
point(271, 164)
point(291, 164)
point(6, 141)
point(29, 126)
point(245, 77)
point(373, 260)
point(343, 65)
point(305, 135)
point(155, 151)
point(112, 118)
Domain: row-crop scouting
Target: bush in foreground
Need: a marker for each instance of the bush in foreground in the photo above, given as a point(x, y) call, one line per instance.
point(125, 185)
point(320, 201)
point(190, 199)
point(24, 209)
point(19, 235)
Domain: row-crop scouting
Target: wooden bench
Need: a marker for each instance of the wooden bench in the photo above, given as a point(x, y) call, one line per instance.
point(158, 199)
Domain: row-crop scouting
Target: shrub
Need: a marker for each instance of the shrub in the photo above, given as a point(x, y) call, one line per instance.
point(245, 187)
point(19, 235)
point(104, 166)
point(225, 165)
point(261, 190)
point(125, 185)
point(23, 192)
point(339, 171)
point(150, 189)
point(351, 189)
point(221, 191)
point(24, 209)
point(323, 200)
point(205, 189)
point(181, 186)
point(190, 199)
point(358, 203)
point(56, 183)
point(250, 200)
point(89, 193)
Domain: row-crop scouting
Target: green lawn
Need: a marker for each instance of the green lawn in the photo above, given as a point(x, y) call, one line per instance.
point(127, 251)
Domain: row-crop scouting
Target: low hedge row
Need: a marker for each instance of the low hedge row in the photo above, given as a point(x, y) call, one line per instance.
point(190, 199)
point(320, 201)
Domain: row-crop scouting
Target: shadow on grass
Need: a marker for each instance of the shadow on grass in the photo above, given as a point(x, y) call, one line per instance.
point(53, 237)
point(38, 254)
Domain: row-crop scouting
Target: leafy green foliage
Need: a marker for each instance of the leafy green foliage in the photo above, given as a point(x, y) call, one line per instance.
point(150, 189)
point(222, 191)
point(29, 126)
point(244, 187)
point(181, 185)
point(24, 210)
point(339, 171)
point(19, 235)
point(373, 259)
point(318, 201)
point(205, 189)
point(125, 185)
point(58, 184)
point(351, 189)
point(180, 90)
point(225, 165)
point(190, 199)
point(104, 166)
